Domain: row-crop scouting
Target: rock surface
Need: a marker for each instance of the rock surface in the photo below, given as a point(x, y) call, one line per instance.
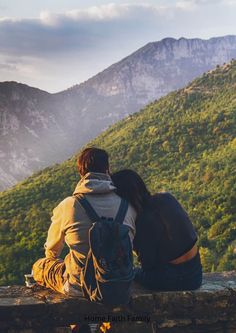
point(38, 129)
point(212, 308)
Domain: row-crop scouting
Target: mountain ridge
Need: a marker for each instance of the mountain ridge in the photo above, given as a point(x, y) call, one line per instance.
point(183, 143)
point(49, 128)
point(162, 41)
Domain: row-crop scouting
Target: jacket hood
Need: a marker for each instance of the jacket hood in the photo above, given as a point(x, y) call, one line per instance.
point(95, 183)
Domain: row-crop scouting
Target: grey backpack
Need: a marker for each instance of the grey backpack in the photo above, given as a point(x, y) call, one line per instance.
point(108, 271)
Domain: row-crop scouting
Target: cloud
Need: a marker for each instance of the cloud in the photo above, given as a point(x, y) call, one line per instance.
point(21, 66)
point(194, 4)
point(81, 42)
point(94, 13)
point(229, 2)
point(186, 5)
point(82, 30)
point(7, 67)
point(76, 29)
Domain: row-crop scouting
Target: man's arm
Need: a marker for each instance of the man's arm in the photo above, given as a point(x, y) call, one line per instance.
point(55, 239)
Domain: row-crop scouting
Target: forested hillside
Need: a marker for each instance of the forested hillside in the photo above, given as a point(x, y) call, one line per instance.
point(183, 143)
point(38, 129)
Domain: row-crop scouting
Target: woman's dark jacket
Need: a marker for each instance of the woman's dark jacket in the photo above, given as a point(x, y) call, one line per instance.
point(164, 231)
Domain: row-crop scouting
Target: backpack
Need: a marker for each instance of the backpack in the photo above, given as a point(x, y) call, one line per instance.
point(108, 271)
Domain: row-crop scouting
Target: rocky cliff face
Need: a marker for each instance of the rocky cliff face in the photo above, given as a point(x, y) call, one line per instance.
point(38, 129)
point(33, 132)
point(160, 67)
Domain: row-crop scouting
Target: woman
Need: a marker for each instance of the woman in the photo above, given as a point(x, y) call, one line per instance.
point(165, 239)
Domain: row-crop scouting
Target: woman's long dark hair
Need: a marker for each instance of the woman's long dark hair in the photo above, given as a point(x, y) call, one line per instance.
point(131, 187)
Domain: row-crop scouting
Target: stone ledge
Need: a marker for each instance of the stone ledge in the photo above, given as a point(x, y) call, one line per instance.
point(210, 308)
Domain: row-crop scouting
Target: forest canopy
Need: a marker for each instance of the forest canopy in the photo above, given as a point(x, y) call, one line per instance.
point(183, 143)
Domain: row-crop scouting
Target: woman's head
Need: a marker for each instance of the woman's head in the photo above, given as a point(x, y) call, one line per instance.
point(131, 187)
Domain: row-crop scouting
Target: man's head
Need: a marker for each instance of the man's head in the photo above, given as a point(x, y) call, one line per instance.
point(93, 160)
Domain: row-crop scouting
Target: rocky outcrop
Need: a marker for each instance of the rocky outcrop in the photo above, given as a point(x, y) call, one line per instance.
point(38, 129)
point(161, 67)
point(212, 308)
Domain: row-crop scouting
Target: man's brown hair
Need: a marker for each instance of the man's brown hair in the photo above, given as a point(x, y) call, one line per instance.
point(93, 160)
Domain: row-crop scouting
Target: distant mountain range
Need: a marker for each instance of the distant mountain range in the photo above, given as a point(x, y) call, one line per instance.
point(183, 143)
point(38, 129)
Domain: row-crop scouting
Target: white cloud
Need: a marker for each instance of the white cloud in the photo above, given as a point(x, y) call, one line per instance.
point(78, 29)
point(229, 2)
point(194, 4)
point(4, 66)
point(87, 40)
point(94, 13)
point(104, 12)
point(48, 18)
point(186, 5)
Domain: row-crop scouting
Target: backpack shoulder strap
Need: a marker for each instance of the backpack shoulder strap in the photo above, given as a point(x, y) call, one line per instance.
point(87, 207)
point(122, 211)
point(94, 216)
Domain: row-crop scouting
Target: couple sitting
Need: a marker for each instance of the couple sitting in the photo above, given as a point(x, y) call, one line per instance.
point(159, 230)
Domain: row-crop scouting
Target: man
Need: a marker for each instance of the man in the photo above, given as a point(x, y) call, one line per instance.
point(70, 224)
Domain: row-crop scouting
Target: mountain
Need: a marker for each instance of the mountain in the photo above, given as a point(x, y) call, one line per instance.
point(183, 143)
point(34, 132)
point(38, 129)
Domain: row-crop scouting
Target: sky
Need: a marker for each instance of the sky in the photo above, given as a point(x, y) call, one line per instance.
point(55, 44)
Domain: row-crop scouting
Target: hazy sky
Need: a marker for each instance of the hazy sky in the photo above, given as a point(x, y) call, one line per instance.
point(54, 44)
